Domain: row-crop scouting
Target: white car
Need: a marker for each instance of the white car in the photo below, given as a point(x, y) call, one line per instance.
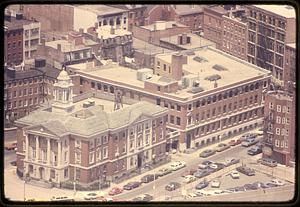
point(215, 184)
point(235, 174)
point(189, 178)
point(205, 164)
point(192, 195)
point(204, 193)
point(61, 198)
point(177, 165)
point(91, 196)
point(278, 182)
point(216, 192)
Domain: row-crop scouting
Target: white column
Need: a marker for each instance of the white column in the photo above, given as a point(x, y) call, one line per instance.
point(37, 147)
point(59, 154)
point(27, 147)
point(48, 151)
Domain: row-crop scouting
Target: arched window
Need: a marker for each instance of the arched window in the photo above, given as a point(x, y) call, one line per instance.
point(251, 87)
point(214, 99)
point(118, 21)
point(112, 90)
point(220, 97)
point(230, 93)
point(104, 22)
point(256, 85)
point(246, 89)
point(203, 102)
point(111, 22)
point(225, 95)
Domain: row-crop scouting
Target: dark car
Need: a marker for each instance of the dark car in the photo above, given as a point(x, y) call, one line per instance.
point(202, 173)
point(254, 150)
point(131, 185)
point(217, 167)
point(148, 178)
point(144, 197)
point(269, 162)
point(188, 172)
point(231, 161)
point(202, 184)
point(172, 186)
point(246, 170)
point(207, 153)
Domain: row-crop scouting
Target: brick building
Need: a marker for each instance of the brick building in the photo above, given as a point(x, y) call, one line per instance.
point(271, 27)
point(289, 75)
point(154, 32)
point(84, 140)
point(13, 40)
point(115, 44)
point(279, 125)
point(227, 27)
point(136, 14)
point(25, 89)
point(210, 94)
point(189, 15)
point(75, 48)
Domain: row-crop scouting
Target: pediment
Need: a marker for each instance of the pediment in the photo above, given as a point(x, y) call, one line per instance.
point(40, 129)
point(141, 118)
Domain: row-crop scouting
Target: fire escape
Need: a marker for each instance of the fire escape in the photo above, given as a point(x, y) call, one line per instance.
point(262, 52)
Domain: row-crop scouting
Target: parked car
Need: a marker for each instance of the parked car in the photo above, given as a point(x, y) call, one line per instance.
point(203, 184)
point(234, 142)
point(277, 182)
point(249, 142)
point(91, 196)
point(205, 164)
point(234, 174)
point(222, 146)
point(60, 198)
point(148, 178)
point(143, 197)
point(115, 191)
point(231, 161)
point(131, 185)
point(207, 153)
point(247, 136)
point(163, 172)
point(215, 183)
point(177, 165)
point(189, 178)
point(172, 186)
point(216, 166)
point(188, 172)
point(202, 173)
point(254, 150)
point(192, 195)
point(204, 193)
point(269, 162)
point(269, 185)
point(246, 170)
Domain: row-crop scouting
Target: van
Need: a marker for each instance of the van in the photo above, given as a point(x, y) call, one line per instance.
point(61, 198)
point(268, 162)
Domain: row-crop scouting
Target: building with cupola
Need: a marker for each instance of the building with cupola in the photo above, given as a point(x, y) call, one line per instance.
point(86, 139)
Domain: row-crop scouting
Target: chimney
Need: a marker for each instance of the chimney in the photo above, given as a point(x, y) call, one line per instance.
point(96, 25)
point(179, 40)
point(215, 84)
point(176, 63)
point(59, 47)
point(81, 31)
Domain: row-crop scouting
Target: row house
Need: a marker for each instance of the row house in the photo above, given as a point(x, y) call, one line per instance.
point(210, 94)
point(26, 88)
point(279, 127)
point(82, 142)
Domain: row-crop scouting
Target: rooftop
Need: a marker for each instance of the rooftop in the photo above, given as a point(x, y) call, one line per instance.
point(292, 45)
point(182, 9)
point(101, 10)
point(17, 23)
point(196, 41)
point(216, 64)
point(281, 95)
point(105, 32)
point(89, 121)
point(66, 46)
point(147, 48)
point(282, 10)
point(166, 25)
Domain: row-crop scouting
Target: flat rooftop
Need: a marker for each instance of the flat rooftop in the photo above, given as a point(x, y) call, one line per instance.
point(282, 10)
point(105, 32)
point(17, 23)
point(147, 48)
point(101, 10)
point(67, 46)
point(182, 9)
point(235, 71)
point(196, 41)
point(168, 25)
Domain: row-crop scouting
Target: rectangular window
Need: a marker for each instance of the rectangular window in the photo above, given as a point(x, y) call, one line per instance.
point(278, 131)
point(278, 120)
point(91, 157)
point(171, 119)
point(278, 108)
point(104, 139)
point(105, 152)
point(178, 121)
point(276, 142)
point(270, 105)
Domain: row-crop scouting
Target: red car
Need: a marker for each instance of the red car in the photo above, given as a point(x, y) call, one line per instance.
point(115, 191)
point(234, 142)
point(188, 172)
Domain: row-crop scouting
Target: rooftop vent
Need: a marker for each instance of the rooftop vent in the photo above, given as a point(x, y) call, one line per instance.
point(188, 52)
point(196, 90)
point(213, 77)
point(200, 59)
point(289, 7)
point(219, 67)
